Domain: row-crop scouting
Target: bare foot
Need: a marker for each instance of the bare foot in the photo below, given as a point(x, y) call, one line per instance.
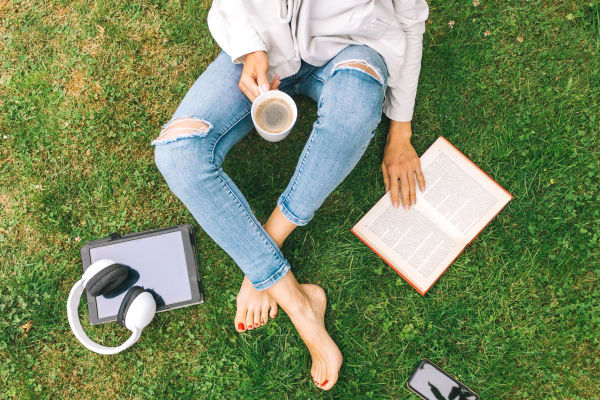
point(309, 320)
point(253, 307)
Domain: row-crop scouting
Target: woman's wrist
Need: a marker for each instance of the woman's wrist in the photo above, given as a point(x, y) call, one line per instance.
point(399, 131)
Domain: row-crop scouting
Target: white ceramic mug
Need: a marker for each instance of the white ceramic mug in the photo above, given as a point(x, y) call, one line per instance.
point(266, 95)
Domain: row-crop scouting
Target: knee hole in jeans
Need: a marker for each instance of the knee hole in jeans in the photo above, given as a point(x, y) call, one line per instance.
point(183, 128)
point(360, 65)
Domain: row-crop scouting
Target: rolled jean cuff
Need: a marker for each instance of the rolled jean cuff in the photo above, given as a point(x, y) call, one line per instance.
point(277, 275)
point(289, 215)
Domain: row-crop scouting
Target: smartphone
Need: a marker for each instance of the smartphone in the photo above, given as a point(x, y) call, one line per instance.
point(430, 382)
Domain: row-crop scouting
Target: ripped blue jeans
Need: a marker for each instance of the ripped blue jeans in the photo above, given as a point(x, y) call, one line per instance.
point(214, 115)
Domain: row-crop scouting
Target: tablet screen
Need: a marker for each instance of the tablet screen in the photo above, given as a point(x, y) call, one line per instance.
point(156, 263)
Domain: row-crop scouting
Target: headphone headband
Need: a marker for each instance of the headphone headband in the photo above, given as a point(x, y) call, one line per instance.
point(97, 267)
point(73, 315)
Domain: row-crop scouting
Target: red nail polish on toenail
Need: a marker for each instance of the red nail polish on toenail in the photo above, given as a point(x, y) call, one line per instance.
point(324, 383)
point(241, 326)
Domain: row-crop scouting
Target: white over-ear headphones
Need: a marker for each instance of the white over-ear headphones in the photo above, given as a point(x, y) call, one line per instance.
point(136, 310)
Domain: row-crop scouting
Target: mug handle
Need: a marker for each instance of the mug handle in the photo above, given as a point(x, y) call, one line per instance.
point(261, 90)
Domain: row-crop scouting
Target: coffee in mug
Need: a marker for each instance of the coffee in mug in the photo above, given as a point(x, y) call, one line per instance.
point(274, 115)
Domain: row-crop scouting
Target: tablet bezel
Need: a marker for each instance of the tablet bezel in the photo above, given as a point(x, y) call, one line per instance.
point(191, 261)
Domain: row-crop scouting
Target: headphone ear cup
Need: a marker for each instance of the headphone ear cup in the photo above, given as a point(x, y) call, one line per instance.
point(131, 294)
point(107, 279)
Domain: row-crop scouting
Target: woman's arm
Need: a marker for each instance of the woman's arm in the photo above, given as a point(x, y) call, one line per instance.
point(401, 163)
point(233, 32)
point(231, 29)
point(403, 81)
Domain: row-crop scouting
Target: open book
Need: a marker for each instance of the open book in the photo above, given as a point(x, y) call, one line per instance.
point(458, 202)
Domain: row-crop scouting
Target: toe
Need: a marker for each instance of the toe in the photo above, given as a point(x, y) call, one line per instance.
point(315, 373)
point(329, 382)
point(257, 314)
point(273, 311)
point(319, 373)
point(250, 319)
point(240, 319)
point(264, 314)
point(331, 376)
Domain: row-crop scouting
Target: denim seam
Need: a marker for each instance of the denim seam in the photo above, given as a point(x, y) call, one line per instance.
point(302, 162)
point(317, 78)
point(284, 197)
point(285, 267)
point(243, 208)
point(281, 202)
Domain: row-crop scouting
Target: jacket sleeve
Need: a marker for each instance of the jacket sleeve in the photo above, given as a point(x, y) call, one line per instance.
point(232, 30)
point(400, 99)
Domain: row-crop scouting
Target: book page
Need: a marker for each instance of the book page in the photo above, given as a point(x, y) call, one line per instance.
point(413, 237)
point(411, 241)
point(457, 191)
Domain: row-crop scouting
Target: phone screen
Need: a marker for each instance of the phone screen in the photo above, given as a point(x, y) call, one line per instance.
point(431, 383)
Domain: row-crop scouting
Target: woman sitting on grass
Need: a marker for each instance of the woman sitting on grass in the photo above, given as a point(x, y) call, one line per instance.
point(356, 59)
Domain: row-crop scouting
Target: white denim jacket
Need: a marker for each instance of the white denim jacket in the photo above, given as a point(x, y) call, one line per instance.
point(316, 30)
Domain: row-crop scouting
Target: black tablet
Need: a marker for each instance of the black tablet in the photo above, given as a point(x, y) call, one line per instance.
point(162, 261)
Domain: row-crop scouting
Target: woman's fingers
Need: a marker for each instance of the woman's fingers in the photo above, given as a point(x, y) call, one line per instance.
point(250, 88)
point(386, 178)
point(262, 81)
point(246, 88)
point(394, 188)
point(275, 83)
point(412, 187)
point(405, 189)
point(401, 163)
point(250, 83)
point(401, 184)
point(420, 177)
point(254, 74)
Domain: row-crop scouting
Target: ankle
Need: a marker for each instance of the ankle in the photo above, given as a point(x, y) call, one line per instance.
point(289, 295)
point(278, 226)
point(278, 241)
point(299, 307)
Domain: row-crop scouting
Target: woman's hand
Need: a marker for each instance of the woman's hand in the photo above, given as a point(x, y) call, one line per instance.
point(254, 74)
point(401, 163)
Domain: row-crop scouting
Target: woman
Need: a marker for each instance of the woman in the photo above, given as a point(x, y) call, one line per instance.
point(355, 59)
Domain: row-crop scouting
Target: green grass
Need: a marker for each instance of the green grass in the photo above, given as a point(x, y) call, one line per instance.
point(85, 87)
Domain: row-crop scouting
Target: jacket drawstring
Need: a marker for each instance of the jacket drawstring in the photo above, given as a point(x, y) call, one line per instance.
point(289, 16)
point(290, 9)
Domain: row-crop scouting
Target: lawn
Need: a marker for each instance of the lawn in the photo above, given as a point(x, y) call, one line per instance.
point(515, 85)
